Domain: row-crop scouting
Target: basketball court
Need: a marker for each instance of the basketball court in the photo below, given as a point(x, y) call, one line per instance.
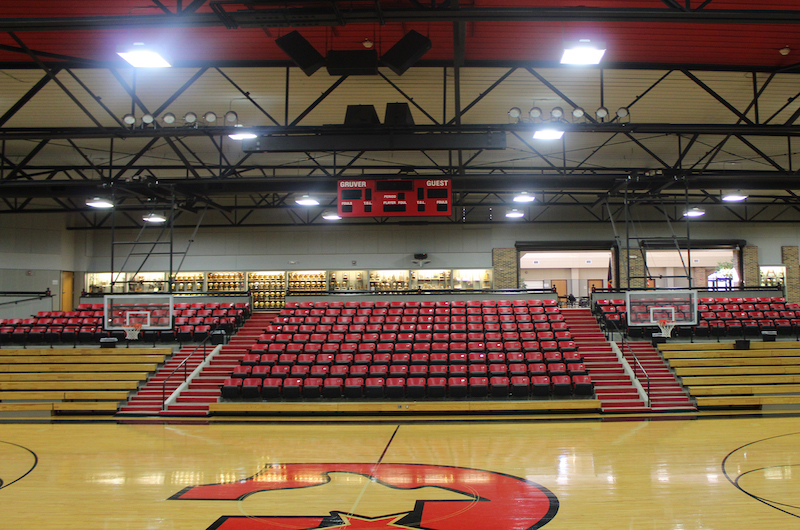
point(677, 474)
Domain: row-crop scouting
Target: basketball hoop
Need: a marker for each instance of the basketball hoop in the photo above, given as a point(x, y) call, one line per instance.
point(132, 331)
point(666, 327)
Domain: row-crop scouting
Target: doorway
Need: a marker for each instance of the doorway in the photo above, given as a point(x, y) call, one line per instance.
point(591, 285)
point(67, 278)
point(560, 286)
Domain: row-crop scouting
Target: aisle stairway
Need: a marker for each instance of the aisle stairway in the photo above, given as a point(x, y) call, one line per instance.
point(612, 385)
point(666, 393)
point(203, 389)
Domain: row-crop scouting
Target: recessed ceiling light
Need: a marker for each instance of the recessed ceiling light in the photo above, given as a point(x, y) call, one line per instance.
point(734, 197)
point(523, 196)
point(583, 52)
point(331, 216)
point(154, 218)
point(694, 212)
point(307, 200)
point(141, 56)
point(99, 202)
point(548, 134)
point(515, 214)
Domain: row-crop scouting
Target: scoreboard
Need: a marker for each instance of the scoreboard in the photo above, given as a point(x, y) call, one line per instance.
point(395, 198)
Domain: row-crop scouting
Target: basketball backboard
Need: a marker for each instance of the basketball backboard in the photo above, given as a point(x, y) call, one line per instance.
point(151, 311)
point(646, 308)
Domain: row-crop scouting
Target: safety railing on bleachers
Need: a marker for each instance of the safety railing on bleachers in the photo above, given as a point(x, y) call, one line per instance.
point(204, 347)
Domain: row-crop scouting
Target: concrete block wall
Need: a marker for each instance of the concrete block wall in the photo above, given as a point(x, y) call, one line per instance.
point(791, 259)
point(506, 268)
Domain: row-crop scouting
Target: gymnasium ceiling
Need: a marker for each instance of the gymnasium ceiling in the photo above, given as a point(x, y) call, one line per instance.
point(710, 88)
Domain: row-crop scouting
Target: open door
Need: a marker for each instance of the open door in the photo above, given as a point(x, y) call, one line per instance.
point(67, 278)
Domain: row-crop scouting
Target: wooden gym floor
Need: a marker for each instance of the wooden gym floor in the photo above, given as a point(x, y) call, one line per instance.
point(708, 473)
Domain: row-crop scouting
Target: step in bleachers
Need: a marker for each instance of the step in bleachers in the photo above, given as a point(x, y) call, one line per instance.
point(419, 350)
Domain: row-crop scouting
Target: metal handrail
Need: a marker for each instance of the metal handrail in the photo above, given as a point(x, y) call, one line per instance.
point(183, 364)
point(635, 359)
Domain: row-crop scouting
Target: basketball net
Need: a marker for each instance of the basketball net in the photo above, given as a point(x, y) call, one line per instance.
point(132, 331)
point(666, 327)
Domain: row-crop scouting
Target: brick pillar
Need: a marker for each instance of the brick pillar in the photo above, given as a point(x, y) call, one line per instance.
point(506, 268)
point(631, 263)
point(791, 259)
point(750, 275)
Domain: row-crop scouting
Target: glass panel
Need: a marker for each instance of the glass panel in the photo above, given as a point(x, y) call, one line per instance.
point(348, 281)
point(388, 280)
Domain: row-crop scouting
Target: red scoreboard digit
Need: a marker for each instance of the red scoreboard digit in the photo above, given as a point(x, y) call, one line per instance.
point(395, 198)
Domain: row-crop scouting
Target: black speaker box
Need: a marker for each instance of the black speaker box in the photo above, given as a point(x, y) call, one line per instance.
point(420, 256)
point(398, 114)
point(406, 52)
point(352, 62)
point(361, 116)
point(301, 52)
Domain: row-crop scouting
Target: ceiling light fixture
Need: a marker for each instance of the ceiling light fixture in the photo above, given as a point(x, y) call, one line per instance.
point(129, 119)
point(307, 200)
point(154, 218)
point(210, 117)
point(514, 112)
point(141, 56)
point(243, 136)
point(523, 196)
point(231, 117)
point(622, 112)
point(535, 112)
point(148, 119)
point(168, 118)
point(190, 117)
point(331, 216)
point(515, 214)
point(734, 197)
point(578, 112)
point(583, 52)
point(694, 212)
point(548, 134)
point(601, 112)
point(99, 202)
point(557, 112)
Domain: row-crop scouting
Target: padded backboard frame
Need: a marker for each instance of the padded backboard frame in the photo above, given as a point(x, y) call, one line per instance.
point(646, 308)
point(152, 311)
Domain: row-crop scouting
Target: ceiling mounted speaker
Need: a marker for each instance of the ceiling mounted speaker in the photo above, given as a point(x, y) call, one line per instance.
point(361, 116)
point(406, 52)
point(398, 114)
point(301, 52)
point(352, 62)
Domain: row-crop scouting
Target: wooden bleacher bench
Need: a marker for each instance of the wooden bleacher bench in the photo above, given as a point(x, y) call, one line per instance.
point(80, 380)
point(718, 375)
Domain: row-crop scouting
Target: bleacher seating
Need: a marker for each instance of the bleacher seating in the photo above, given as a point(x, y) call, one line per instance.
point(85, 326)
point(416, 350)
point(717, 317)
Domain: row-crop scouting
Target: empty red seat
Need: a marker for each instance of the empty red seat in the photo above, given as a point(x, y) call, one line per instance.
point(374, 387)
point(395, 387)
point(231, 388)
point(582, 385)
point(520, 386)
point(574, 369)
point(457, 387)
point(251, 387)
point(243, 371)
point(319, 371)
point(354, 387)
point(562, 385)
point(540, 386)
point(332, 387)
point(271, 388)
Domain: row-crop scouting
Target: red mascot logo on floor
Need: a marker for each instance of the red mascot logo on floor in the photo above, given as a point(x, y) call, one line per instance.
point(490, 500)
